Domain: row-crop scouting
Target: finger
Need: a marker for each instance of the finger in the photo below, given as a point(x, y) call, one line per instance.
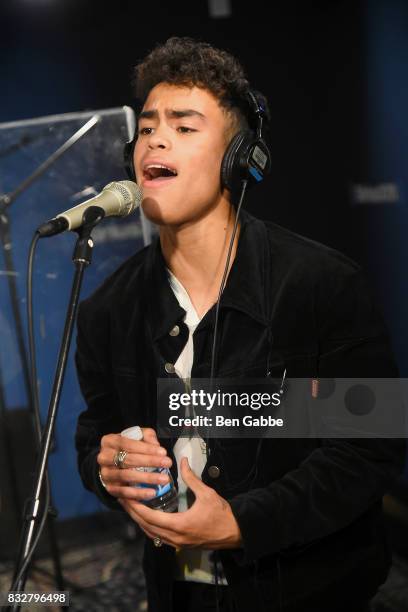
point(135, 460)
point(140, 460)
point(172, 522)
point(167, 537)
point(133, 476)
point(151, 532)
point(149, 435)
point(152, 535)
point(138, 494)
point(127, 506)
point(118, 442)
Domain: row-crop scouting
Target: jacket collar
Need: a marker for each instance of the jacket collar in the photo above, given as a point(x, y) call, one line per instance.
point(246, 288)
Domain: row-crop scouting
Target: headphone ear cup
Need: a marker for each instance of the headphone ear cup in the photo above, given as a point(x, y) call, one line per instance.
point(247, 157)
point(231, 162)
point(128, 151)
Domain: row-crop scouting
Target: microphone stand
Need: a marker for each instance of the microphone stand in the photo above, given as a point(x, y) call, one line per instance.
point(6, 200)
point(82, 258)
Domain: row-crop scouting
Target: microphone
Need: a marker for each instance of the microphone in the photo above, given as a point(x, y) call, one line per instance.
point(117, 199)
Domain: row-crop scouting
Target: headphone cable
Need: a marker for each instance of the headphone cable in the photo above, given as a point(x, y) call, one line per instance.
point(213, 353)
point(224, 279)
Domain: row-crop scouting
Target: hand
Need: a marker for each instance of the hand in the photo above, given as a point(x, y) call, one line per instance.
point(140, 453)
point(209, 523)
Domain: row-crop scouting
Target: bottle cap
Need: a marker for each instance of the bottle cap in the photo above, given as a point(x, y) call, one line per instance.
point(135, 433)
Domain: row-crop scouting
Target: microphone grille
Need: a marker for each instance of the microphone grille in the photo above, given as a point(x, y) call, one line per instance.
point(130, 192)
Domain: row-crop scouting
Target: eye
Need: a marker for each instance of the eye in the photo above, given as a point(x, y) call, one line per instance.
point(145, 131)
point(185, 130)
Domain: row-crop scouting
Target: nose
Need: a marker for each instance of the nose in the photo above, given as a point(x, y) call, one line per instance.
point(159, 139)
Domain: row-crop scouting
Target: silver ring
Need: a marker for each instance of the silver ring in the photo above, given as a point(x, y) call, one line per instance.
point(119, 459)
point(157, 541)
point(101, 479)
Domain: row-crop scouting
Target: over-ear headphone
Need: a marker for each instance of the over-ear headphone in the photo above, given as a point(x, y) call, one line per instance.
point(247, 156)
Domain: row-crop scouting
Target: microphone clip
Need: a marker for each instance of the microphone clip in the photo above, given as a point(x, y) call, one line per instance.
point(84, 246)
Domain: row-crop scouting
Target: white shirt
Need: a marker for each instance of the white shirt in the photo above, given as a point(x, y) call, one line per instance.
point(192, 564)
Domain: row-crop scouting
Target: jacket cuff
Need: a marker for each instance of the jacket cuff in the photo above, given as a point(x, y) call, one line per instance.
point(249, 531)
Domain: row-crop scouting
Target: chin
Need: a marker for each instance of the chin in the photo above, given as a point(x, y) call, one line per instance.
point(172, 214)
point(153, 211)
point(163, 214)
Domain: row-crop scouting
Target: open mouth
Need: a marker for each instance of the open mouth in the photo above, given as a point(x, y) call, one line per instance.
point(158, 172)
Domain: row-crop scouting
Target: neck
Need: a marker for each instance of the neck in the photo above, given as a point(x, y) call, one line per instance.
point(196, 253)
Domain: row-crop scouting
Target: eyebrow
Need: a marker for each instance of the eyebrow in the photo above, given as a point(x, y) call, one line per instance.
point(172, 113)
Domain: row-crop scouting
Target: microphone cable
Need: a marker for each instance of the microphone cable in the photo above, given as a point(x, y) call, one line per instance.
point(36, 407)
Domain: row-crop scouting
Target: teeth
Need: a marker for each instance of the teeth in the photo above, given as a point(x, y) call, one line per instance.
point(160, 166)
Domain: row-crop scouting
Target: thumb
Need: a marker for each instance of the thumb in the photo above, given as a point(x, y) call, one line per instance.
point(190, 478)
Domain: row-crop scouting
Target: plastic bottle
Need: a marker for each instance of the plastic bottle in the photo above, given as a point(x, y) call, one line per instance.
point(166, 498)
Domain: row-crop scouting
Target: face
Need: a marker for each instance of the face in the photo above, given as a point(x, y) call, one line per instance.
point(181, 142)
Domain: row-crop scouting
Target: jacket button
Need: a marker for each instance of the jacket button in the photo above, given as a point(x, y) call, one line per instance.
point(174, 331)
point(170, 369)
point(214, 471)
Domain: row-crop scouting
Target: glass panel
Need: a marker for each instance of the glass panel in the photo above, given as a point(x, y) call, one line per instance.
point(80, 172)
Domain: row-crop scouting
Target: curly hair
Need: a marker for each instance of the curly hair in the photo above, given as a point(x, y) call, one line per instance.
point(187, 62)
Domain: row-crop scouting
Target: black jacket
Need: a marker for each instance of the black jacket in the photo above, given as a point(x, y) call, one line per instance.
point(309, 510)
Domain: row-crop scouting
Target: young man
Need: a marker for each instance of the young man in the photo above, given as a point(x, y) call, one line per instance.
point(296, 523)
